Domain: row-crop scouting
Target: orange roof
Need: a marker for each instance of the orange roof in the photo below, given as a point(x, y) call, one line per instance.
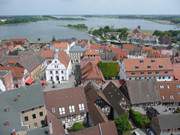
point(176, 71)
point(91, 52)
point(120, 53)
point(128, 47)
point(49, 54)
point(148, 64)
point(64, 58)
point(46, 53)
point(169, 91)
point(60, 44)
point(91, 72)
point(29, 80)
point(145, 48)
point(17, 72)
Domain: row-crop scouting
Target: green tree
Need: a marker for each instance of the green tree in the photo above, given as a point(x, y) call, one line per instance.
point(77, 126)
point(140, 120)
point(122, 123)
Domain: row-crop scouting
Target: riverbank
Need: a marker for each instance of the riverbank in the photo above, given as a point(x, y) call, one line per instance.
point(24, 19)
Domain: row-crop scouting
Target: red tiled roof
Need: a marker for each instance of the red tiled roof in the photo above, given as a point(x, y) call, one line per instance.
point(106, 128)
point(128, 47)
point(176, 71)
point(64, 98)
point(17, 72)
point(91, 52)
point(49, 54)
point(148, 64)
point(64, 58)
point(46, 53)
point(29, 80)
point(120, 53)
point(60, 44)
point(169, 91)
point(90, 71)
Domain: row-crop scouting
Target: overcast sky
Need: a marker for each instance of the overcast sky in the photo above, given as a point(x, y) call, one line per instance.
point(35, 7)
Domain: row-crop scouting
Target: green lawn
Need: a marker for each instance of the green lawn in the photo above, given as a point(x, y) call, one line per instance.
point(109, 69)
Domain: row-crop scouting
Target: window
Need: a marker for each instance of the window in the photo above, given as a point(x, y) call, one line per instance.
point(148, 66)
point(166, 72)
point(132, 73)
point(142, 72)
point(40, 113)
point(62, 72)
point(136, 67)
point(171, 97)
point(56, 72)
point(34, 116)
point(149, 72)
point(178, 86)
point(141, 61)
point(71, 109)
point(26, 118)
point(152, 60)
point(35, 124)
point(57, 78)
point(81, 107)
point(160, 66)
point(53, 110)
point(62, 77)
point(157, 72)
point(51, 78)
point(51, 72)
point(162, 86)
point(62, 110)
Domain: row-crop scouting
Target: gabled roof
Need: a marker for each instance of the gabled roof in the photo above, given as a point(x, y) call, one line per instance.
point(28, 59)
point(115, 97)
point(90, 71)
point(64, 98)
point(106, 128)
point(170, 121)
point(17, 72)
point(169, 91)
point(77, 48)
point(64, 58)
point(142, 91)
point(14, 102)
point(46, 53)
point(60, 44)
point(49, 54)
point(148, 64)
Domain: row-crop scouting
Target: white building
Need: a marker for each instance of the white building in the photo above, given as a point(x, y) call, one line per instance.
point(59, 70)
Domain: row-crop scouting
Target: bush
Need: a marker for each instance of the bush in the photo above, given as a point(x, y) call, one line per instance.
point(109, 69)
point(77, 126)
point(141, 121)
point(122, 124)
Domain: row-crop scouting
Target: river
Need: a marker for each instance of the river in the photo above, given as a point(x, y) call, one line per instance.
point(45, 30)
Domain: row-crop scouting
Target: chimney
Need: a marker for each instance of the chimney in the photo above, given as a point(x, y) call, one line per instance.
point(50, 128)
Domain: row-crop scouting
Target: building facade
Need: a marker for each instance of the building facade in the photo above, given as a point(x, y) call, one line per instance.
point(76, 52)
point(145, 69)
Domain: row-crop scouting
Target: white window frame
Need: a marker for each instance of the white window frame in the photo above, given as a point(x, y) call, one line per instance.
point(62, 110)
point(71, 108)
point(81, 107)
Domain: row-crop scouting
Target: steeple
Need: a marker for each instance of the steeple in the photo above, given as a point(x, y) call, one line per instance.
point(56, 52)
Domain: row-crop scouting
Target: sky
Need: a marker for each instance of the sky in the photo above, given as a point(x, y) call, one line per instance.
point(79, 7)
